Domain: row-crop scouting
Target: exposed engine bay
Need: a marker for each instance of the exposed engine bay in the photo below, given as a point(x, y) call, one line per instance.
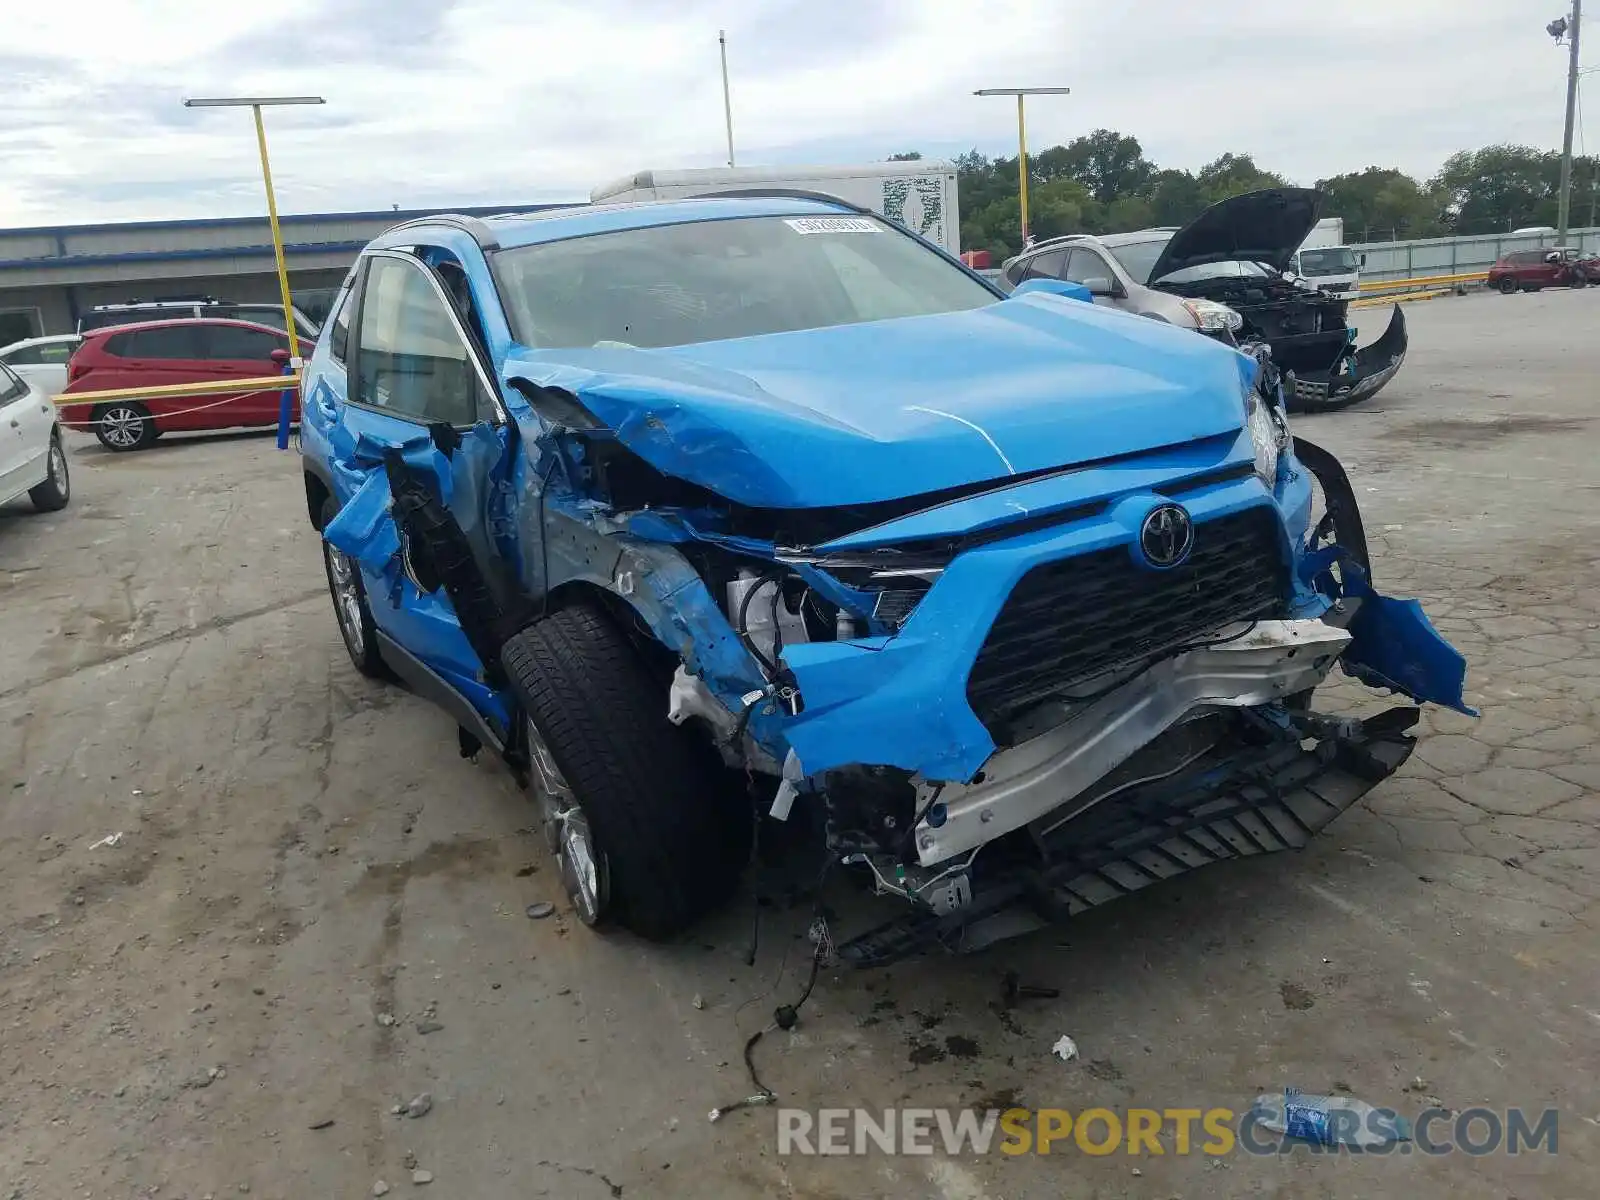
point(1309, 335)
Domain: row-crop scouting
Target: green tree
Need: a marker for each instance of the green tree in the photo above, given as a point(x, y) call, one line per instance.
point(906, 156)
point(1109, 164)
point(1382, 202)
point(1176, 198)
point(1233, 175)
point(1499, 188)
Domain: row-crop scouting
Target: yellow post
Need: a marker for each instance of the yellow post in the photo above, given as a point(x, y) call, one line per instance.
point(1022, 168)
point(277, 242)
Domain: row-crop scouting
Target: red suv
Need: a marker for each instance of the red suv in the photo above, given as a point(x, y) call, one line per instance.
point(170, 352)
point(1549, 266)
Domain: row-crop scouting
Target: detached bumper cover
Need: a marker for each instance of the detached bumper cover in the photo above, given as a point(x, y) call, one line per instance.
point(1375, 366)
point(1253, 800)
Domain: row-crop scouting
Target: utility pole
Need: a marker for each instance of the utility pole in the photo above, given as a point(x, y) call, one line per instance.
point(1563, 204)
point(727, 102)
point(1022, 143)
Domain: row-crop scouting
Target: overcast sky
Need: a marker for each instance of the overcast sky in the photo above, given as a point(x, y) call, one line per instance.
point(441, 102)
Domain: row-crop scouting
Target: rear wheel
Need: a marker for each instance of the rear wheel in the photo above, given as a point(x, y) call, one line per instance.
point(646, 831)
point(350, 608)
point(53, 493)
point(1509, 286)
point(124, 425)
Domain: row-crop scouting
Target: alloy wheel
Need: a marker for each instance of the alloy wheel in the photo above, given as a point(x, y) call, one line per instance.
point(58, 470)
point(585, 873)
point(122, 427)
point(346, 598)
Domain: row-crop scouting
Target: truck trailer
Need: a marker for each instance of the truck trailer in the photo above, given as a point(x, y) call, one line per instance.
point(921, 195)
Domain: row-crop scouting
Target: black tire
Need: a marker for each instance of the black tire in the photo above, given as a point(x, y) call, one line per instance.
point(356, 630)
point(124, 425)
point(1509, 286)
point(52, 495)
point(673, 834)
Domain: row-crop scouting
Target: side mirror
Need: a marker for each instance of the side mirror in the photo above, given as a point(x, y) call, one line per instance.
point(1362, 259)
point(1055, 287)
point(1099, 285)
point(280, 357)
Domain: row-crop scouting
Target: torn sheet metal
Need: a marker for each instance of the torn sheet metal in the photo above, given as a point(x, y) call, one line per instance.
point(802, 419)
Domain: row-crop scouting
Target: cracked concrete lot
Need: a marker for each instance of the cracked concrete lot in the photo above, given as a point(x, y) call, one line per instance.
point(315, 910)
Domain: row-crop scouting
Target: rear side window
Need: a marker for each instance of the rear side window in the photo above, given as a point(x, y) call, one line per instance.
point(1044, 266)
point(173, 341)
point(411, 357)
point(235, 342)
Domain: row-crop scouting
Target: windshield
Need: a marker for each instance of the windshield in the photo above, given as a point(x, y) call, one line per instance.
point(1333, 260)
point(1138, 257)
point(674, 285)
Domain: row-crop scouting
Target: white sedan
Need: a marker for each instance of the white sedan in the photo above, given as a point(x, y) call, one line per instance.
point(42, 360)
point(33, 457)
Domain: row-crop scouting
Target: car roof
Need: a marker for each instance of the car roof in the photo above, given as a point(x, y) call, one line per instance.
point(46, 340)
point(169, 322)
point(511, 230)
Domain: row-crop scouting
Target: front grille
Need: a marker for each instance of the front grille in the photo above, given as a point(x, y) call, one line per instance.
point(1073, 619)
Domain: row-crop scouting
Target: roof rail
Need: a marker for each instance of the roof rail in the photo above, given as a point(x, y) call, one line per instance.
point(476, 227)
point(1065, 237)
point(782, 194)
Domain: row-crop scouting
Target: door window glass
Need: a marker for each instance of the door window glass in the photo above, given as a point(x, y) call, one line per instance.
point(1087, 265)
point(11, 386)
point(411, 359)
point(172, 341)
point(339, 339)
point(237, 342)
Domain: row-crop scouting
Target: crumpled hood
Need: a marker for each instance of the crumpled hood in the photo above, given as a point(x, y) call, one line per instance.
point(1262, 227)
point(857, 414)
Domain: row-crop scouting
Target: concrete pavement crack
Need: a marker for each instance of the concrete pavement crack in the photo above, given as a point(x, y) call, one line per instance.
point(176, 635)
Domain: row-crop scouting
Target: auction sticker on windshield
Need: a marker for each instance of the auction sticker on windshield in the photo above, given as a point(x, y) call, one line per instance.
point(832, 225)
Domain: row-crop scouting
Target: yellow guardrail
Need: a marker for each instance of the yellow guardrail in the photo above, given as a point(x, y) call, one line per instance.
point(1423, 281)
point(206, 387)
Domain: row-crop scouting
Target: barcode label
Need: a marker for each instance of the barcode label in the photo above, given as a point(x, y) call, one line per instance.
point(832, 225)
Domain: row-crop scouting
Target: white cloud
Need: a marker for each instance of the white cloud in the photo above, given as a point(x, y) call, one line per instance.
point(483, 101)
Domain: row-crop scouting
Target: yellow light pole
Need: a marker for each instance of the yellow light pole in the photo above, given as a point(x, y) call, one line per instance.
point(256, 104)
point(1022, 139)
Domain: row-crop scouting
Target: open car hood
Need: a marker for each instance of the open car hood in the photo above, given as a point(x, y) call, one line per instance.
point(856, 414)
point(1262, 227)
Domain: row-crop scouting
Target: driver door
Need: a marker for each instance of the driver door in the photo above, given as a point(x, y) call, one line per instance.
point(420, 445)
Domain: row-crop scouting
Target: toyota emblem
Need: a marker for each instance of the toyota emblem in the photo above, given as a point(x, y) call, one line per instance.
point(1167, 535)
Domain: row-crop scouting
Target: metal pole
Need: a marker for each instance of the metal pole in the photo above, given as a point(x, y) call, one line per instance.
point(1022, 168)
point(277, 242)
point(1563, 205)
point(727, 102)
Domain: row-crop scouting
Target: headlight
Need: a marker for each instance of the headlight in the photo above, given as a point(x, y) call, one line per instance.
point(1269, 434)
point(1211, 317)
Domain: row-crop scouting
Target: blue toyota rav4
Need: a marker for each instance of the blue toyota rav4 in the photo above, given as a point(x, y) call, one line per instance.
point(713, 513)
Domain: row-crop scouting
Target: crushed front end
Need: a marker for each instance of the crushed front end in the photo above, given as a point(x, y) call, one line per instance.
point(1005, 706)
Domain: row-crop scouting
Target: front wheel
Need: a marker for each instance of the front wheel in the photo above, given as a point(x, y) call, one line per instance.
point(1509, 286)
point(53, 493)
point(645, 830)
point(123, 425)
point(350, 608)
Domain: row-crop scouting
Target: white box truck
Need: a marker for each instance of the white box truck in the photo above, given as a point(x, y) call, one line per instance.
point(920, 195)
point(1325, 262)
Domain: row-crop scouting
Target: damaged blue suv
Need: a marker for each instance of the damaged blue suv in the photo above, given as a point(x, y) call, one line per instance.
point(713, 513)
